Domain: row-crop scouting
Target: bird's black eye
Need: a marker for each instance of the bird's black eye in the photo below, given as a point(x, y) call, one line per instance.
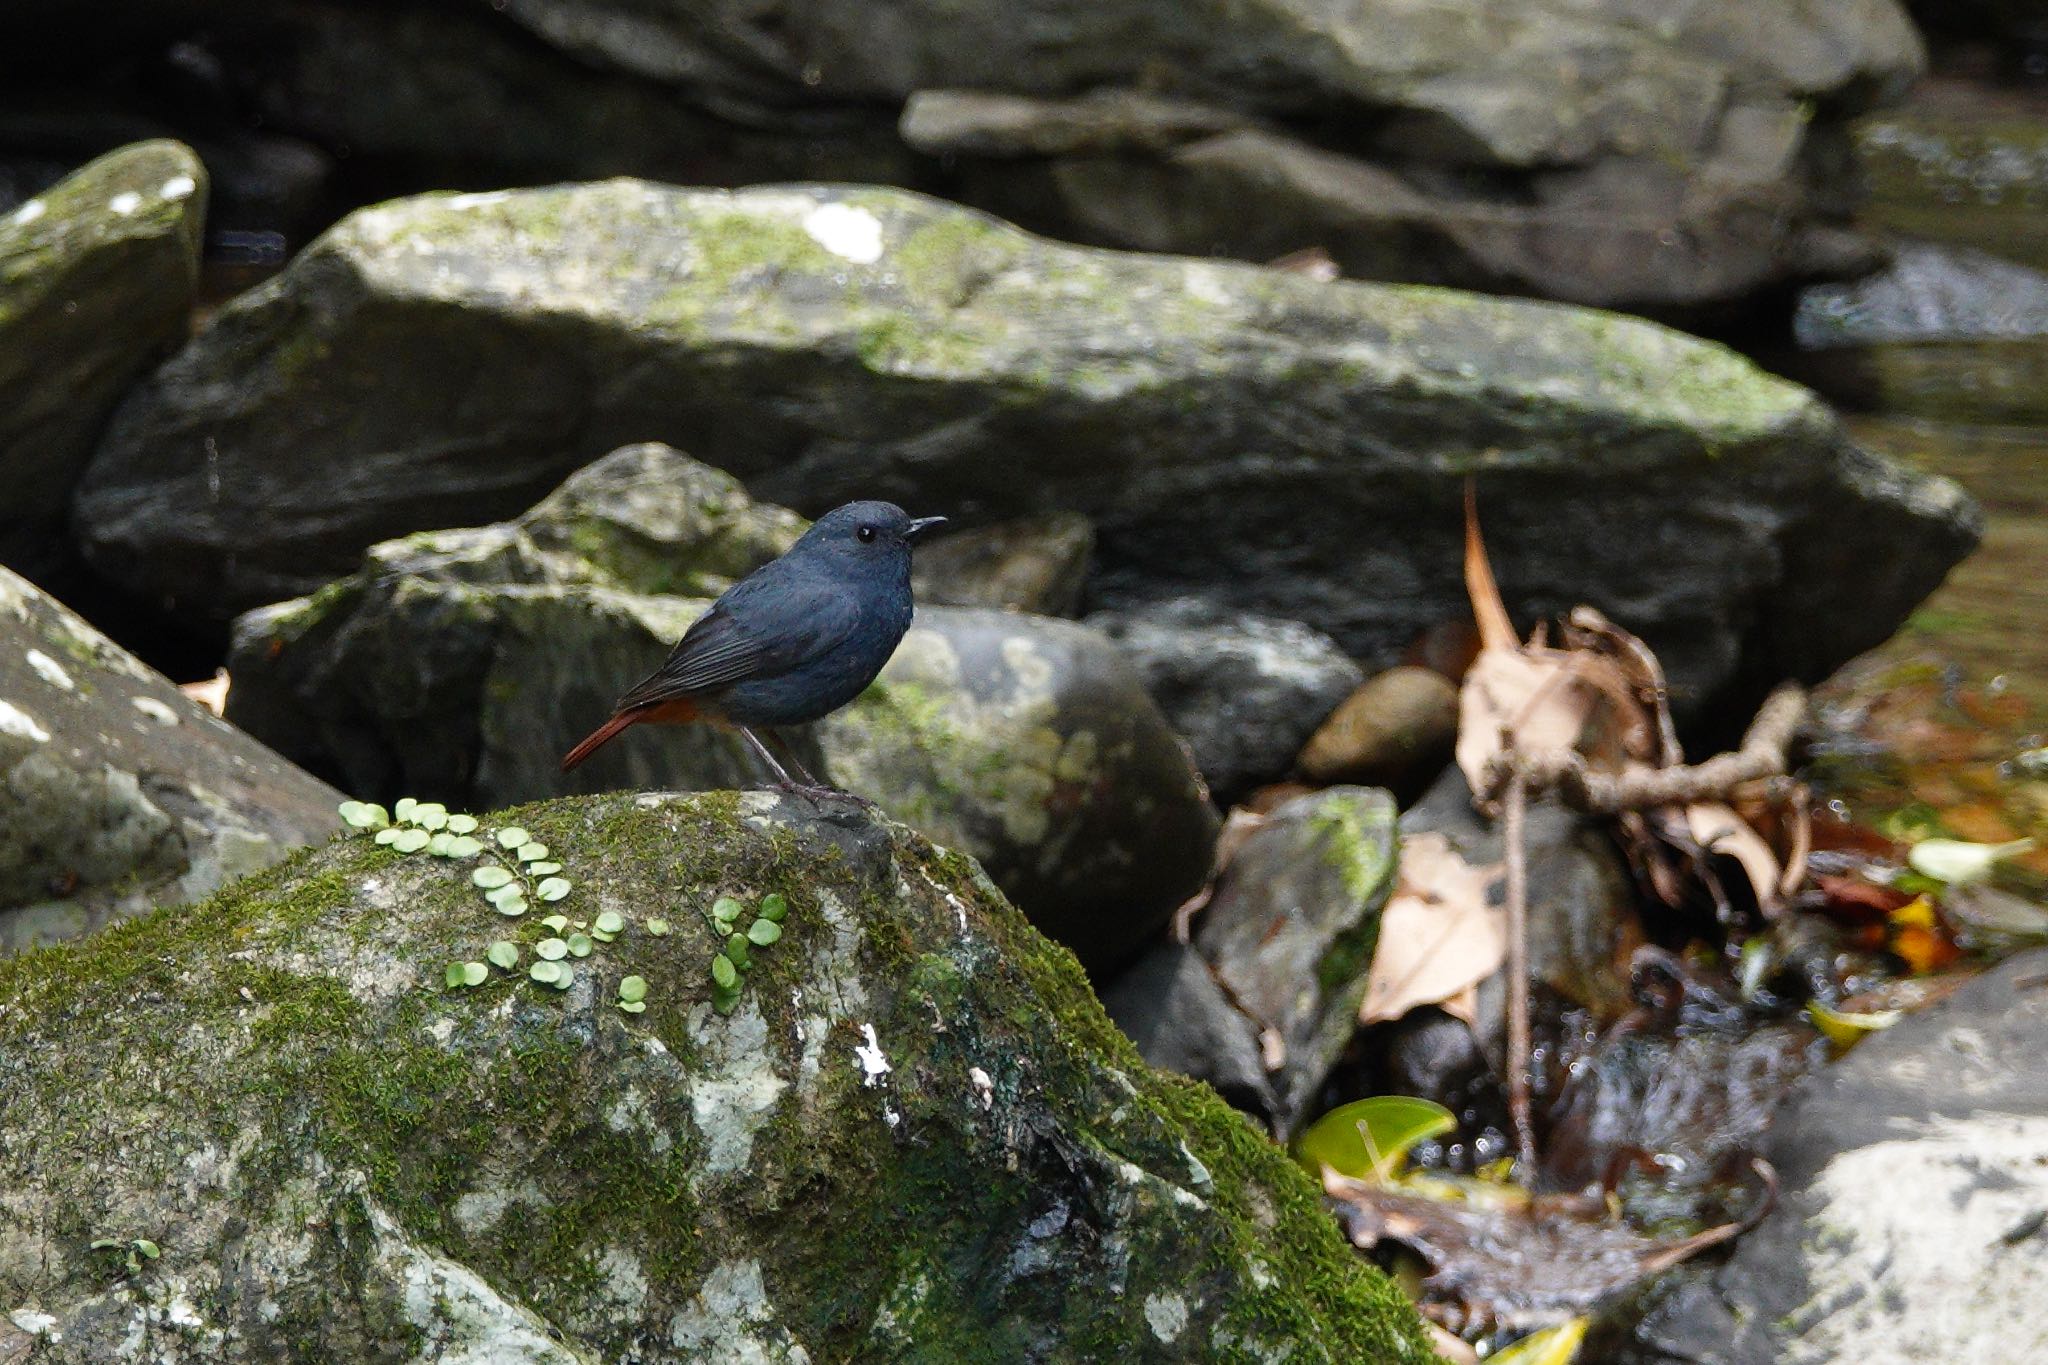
point(866, 533)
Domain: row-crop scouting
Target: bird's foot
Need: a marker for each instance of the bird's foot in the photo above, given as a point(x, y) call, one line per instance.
point(818, 791)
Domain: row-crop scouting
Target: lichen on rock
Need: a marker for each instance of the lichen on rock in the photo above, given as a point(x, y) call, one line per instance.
point(917, 1137)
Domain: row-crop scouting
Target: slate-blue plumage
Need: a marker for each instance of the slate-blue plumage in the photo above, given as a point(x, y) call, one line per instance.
point(791, 642)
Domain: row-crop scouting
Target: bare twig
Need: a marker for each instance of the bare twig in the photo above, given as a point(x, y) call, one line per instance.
point(1514, 808)
point(1598, 793)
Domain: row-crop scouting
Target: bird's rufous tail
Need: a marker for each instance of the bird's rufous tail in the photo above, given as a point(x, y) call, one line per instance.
point(671, 712)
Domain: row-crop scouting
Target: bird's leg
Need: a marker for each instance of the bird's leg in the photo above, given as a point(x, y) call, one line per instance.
point(810, 786)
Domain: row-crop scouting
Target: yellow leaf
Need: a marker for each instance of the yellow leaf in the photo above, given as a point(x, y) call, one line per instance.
point(1847, 1030)
point(1369, 1139)
point(1917, 912)
point(1557, 1345)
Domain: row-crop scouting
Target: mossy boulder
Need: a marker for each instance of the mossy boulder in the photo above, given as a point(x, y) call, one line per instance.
point(97, 275)
point(914, 1137)
point(1265, 440)
point(461, 665)
point(117, 792)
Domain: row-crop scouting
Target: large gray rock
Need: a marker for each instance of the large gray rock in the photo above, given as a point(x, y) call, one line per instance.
point(117, 793)
point(823, 343)
point(1929, 292)
point(912, 1136)
point(460, 665)
point(96, 282)
point(1243, 690)
point(1291, 930)
point(1915, 1173)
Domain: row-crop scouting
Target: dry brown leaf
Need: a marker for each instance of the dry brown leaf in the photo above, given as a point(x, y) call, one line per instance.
point(1532, 692)
point(211, 694)
point(1439, 938)
point(1718, 829)
point(1496, 631)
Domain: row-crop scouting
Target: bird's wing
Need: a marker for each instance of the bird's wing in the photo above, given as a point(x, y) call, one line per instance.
point(763, 627)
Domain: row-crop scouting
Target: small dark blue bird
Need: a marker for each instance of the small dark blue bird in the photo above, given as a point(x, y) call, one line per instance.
point(791, 642)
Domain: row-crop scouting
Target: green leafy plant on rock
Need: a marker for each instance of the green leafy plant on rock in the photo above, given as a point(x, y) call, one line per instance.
point(729, 967)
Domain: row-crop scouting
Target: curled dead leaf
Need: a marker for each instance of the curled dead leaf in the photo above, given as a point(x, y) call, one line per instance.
point(211, 694)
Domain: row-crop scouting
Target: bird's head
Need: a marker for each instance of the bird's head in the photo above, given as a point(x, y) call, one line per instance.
point(871, 530)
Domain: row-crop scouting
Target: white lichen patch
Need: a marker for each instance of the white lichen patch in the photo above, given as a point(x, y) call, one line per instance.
point(50, 671)
point(29, 212)
point(984, 1088)
point(124, 203)
point(35, 1322)
point(155, 710)
point(460, 1319)
point(1167, 1316)
point(731, 1322)
point(479, 1211)
point(738, 1091)
point(850, 233)
point(19, 724)
point(476, 201)
point(869, 1056)
point(177, 187)
point(624, 1279)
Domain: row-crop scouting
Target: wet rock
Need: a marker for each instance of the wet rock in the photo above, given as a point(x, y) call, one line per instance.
point(460, 665)
point(96, 282)
point(340, 1158)
point(1582, 926)
point(1169, 1004)
point(116, 792)
point(1291, 929)
point(1243, 690)
point(1914, 1181)
point(1036, 564)
point(823, 343)
point(1930, 292)
point(1395, 731)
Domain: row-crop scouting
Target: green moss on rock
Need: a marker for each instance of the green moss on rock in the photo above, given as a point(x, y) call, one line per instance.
point(917, 1138)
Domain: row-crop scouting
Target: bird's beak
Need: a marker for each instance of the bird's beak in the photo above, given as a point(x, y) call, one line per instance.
point(922, 527)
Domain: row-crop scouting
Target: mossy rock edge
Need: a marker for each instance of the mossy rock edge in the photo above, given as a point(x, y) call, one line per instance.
point(917, 1137)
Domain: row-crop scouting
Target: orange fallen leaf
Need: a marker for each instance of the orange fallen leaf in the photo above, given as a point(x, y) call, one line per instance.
point(211, 694)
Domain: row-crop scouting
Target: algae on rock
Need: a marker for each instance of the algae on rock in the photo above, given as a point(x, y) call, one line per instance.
point(917, 1138)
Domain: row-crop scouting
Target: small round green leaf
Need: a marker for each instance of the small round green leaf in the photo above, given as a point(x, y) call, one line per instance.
point(774, 906)
point(475, 973)
point(504, 953)
point(530, 852)
point(633, 988)
point(736, 949)
point(411, 840)
point(552, 949)
point(542, 869)
point(723, 972)
point(556, 922)
point(505, 892)
point(512, 907)
point(430, 815)
point(453, 976)
point(363, 815)
point(658, 928)
point(566, 979)
point(405, 807)
point(546, 972)
point(579, 945)
point(610, 922)
point(464, 846)
point(725, 1003)
point(725, 909)
point(387, 835)
point(437, 847)
point(763, 932)
point(462, 824)
point(633, 1006)
point(149, 1249)
point(553, 889)
point(490, 877)
point(512, 837)
point(601, 936)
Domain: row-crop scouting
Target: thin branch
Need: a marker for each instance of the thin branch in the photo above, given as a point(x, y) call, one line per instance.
point(1515, 807)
